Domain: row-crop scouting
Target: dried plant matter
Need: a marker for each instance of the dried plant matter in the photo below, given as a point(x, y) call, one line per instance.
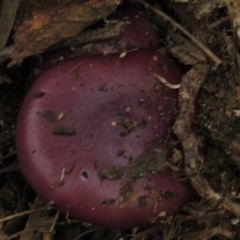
point(234, 13)
point(9, 9)
point(165, 17)
point(191, 145)
point(58, 23)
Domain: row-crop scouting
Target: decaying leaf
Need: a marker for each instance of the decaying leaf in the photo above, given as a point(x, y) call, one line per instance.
point(54, 24)
point(131, 198)
point(9, 9)
point(208, 233)
point(205, 8)
point(234, 13)
point(4, 79)
point(3, 236)
point(184, 50)
point(38, 222)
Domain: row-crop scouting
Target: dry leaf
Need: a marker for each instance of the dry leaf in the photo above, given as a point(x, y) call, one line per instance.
point(54, 24)
point(7, 17)
point(131, 198)
point(234, 13)
point(204, 8)
point(3, 236)
point(4, 79)
point(38, 222)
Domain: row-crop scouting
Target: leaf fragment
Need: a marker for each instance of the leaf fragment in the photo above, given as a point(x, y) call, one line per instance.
point(56, 23)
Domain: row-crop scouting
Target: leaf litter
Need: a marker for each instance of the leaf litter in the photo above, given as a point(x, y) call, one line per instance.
point(51, 25)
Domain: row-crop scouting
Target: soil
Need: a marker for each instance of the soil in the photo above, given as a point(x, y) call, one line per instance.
point(207, 127)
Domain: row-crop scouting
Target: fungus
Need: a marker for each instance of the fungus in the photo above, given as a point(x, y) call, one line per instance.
point(93, 134)
point(138, 32)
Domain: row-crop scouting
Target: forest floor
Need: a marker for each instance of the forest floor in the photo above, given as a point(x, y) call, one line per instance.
point(203, 35)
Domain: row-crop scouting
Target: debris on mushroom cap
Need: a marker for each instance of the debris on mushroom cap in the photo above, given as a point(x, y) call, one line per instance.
point(138, 32)
point(99, 166)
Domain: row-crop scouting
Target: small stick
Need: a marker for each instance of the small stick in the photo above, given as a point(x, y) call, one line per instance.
point(18, 234)
point(184, 31)
point(54, 222)
point(218, 22)
point(21, 214)
point(165, 82)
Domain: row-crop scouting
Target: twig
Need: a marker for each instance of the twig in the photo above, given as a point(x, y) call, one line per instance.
point(224, 192)
point(54, 222)
point(21, 214)
point(199, 215)
point(184, 31)
point(9, 155)
point(172, 230)
point(165, 82)
point(17, 234)
point(218, 22)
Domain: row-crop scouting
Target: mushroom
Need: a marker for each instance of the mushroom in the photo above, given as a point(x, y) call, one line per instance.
point(93, 135)
point(138, 32)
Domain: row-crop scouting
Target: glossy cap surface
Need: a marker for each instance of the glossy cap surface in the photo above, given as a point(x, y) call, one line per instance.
point(86, 134)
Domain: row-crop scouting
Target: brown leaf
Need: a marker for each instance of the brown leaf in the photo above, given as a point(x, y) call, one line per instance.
point(56, 23)
point(3, 236)
point(38, 222)
point(7, 17)
point(131, 198)
point(234, 13)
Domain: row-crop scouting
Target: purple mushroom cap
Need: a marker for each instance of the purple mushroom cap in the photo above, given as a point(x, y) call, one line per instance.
point(92, 136)
point(138, 32)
